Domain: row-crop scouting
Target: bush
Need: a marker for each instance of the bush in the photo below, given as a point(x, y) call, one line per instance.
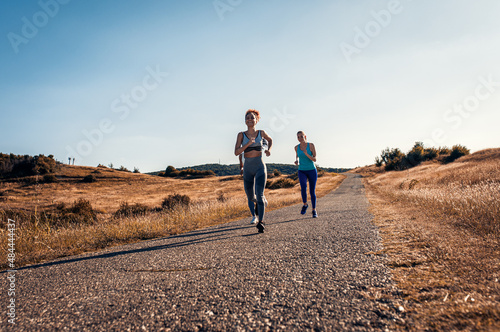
point(393, 159)
point(431, 153)
point(170, 170)
point(89, 179)
point(416, 155)
point(49, 178)
point(281, 183)
point(457, 151)
point(13, 166)
point(175, 200)
point(127, 210)
point(81, 212)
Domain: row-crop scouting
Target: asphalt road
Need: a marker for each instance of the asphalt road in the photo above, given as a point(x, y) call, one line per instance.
point(301, 274)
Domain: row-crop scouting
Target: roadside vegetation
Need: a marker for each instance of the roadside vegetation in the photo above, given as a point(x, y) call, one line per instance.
point(440, 223)
point(90, 208)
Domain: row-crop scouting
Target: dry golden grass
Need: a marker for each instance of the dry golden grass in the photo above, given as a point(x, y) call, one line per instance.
point(39, 242)
point(440, 227)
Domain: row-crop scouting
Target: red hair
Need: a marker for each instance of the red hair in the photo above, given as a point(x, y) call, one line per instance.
point(255, 112)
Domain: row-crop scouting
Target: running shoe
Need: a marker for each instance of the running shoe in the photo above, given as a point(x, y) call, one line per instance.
point(304, 209)
point(260, 227)
point(315, 214)
point(254, 220)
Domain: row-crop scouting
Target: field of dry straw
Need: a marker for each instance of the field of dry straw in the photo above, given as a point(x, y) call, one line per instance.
point(441, 229)
point(213, 200)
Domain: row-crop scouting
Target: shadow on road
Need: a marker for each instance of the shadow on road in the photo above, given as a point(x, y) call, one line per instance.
point(202, 236)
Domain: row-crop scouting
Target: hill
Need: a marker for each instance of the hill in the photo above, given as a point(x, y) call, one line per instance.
point(234, 169)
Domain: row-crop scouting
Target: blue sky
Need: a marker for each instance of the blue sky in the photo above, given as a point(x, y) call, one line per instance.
point(148, 84)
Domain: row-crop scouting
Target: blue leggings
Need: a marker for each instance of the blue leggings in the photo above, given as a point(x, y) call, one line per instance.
point(312, 176)
point(254, 180)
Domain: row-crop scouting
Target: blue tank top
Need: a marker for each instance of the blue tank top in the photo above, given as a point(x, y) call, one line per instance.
point(255, 146)
point(305, 164)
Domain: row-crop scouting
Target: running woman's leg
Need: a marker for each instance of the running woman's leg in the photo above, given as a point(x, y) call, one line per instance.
point(313, 179)
point(303, 185)
point(260, 184)
point(249, 185)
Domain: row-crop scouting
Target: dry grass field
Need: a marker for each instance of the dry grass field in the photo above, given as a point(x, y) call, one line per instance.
point(440, 225)
point(214, 200)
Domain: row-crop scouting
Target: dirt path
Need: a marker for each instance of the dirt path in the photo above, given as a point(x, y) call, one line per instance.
point(301, 274)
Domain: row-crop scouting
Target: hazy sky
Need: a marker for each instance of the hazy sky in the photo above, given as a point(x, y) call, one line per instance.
point(148, 84)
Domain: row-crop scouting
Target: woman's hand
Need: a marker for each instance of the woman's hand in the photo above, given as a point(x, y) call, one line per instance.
point(296, 162)
point(267, 152)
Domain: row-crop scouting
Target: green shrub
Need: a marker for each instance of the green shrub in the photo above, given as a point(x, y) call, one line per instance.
point(431, 153)
point(13, 166)
point(416, 155)
point(444, 150)
point(393, 159)
point(175, 200)
point(170, 170)
point(457, 151)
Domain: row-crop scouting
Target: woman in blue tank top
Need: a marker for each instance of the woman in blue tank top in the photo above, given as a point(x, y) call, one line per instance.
point(305, 156)
point(250, 143)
